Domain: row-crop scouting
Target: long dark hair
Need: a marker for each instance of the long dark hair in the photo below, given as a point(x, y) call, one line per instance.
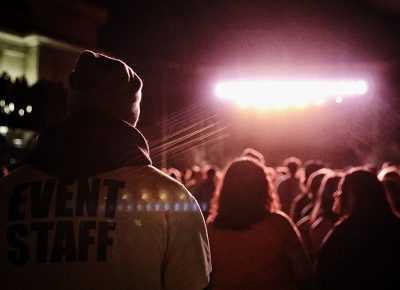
point(323, 205)
point(244, 196)
point(367, 194)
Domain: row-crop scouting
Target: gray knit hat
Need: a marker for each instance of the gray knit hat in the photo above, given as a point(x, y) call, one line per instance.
point(104, 83)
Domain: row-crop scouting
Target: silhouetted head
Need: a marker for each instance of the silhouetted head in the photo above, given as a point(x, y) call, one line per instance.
point(310, 167)
point(323, 205)
point(244, 197)
point(175, 173)
point(253, 153)
point(390, 178)
point(211, 172)
point(371, 167)
point(292, 163)
point(197, 173)
point(389, 173)
point(361, 194)
point(315, 179)
point(100, 82)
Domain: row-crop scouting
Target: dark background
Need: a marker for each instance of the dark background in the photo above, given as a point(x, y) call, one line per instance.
point(181, 49)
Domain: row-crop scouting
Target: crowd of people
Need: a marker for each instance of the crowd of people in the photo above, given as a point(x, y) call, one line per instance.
point(299, 225)
point(88, 210)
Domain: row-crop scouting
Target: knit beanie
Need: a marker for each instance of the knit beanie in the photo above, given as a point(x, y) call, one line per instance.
point(104, 83)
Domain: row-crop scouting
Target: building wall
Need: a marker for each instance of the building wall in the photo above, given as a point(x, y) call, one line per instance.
point(36, 57)
point(14, 57)
point(52, 35)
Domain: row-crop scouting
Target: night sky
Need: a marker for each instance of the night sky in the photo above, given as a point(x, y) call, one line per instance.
point(209, 32)
point(180, 48)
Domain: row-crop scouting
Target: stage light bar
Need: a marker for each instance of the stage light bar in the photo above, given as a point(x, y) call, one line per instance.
point(285, 94)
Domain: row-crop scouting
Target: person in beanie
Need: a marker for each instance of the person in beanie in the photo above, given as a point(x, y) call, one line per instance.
point(89, 211)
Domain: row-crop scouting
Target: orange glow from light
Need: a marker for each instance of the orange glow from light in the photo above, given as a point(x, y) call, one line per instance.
point(284, 94)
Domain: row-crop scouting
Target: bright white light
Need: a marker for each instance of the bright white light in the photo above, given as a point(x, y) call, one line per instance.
point(243, 103)
point(319, 101)
point(21, 112)
point(3, 130)
point(29, 109)
point(145, 196)
point(2, 103)
point(6, 110)
point(17, 142)
point(283, 94)
point(163, 196)
point(11, 107)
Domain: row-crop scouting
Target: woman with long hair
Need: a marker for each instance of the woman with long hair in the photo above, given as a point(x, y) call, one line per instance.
point(305, 223)
point(322, 218)
point(362, 251)
point(253, 246)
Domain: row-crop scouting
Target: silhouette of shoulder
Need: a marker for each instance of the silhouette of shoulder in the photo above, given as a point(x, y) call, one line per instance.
point(283, 222)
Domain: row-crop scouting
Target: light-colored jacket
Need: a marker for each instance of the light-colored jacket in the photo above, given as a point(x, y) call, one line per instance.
point(131, 227)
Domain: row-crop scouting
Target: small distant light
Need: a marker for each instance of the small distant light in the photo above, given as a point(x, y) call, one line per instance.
point(339, 100)
point(2, 103)
point(138, 222)
point(124, 196)
point(362, 87)
point(17, 142)
point(3, 130)
point(29, 109)
point(21, 112)
point(11, 107)
point(182, 196)
point(163, 196)
point(7, 110)
point(145, 196)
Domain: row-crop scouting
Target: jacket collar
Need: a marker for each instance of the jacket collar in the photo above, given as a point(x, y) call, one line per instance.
point(89, 143)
